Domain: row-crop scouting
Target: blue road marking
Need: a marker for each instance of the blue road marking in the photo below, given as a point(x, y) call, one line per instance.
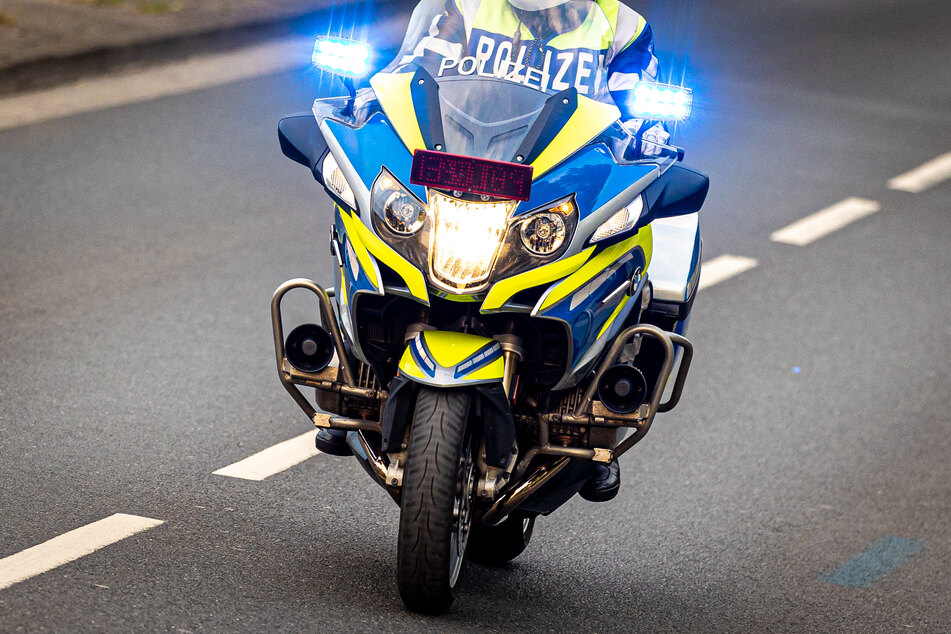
point(875, 562)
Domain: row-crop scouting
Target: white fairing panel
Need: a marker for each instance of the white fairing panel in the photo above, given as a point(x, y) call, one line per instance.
point(675, 263)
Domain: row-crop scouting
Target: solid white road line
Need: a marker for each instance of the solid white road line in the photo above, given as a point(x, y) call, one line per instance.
point(722, 268)
point(824, 222)
point(173, 79)
point(280, 457)
point(71, 546)
point(921, 178)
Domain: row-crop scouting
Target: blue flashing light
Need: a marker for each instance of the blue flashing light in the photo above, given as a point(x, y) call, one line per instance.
point(342, 56)
point(661, 101)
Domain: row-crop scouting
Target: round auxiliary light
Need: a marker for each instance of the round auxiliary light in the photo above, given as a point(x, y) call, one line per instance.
point(403, 213)
point(543, 233)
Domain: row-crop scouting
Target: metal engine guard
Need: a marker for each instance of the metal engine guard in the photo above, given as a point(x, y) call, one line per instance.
point(328, 381)
point(325, 380)
point(587, 412)
point(590, 412)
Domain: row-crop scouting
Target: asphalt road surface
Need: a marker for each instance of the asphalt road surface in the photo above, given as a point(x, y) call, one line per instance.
point(811, 455)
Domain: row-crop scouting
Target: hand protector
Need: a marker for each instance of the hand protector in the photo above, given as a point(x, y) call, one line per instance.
point(653, 139)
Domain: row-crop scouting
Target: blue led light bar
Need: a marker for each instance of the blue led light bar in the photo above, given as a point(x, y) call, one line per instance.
point(342, 56)
point(661, 101)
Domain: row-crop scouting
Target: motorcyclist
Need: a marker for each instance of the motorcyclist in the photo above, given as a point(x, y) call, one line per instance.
point(565, 43)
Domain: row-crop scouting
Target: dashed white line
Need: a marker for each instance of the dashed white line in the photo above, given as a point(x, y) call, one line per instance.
point(172, 79)
point(822, 223)
point(923, 177)
point(722, 268)
point(71, 546)
point(272, 460)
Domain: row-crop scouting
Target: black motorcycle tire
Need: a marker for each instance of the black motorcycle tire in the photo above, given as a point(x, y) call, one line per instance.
point(498, 545)
point(436, 480)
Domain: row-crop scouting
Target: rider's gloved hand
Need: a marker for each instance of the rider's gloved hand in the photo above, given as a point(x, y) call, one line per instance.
point(653, 139)
point(648, 140)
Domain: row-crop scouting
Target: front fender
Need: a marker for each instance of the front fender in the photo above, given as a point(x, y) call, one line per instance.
point(452, 359)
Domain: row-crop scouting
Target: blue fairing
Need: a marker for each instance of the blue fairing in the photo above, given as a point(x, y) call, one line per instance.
point(591, 173)
point(373, 146)
point(588, 314)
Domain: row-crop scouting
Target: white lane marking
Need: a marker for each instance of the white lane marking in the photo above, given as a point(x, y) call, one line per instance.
point(172, 79)
point(724, 267)
point(923, 177)
point(272, 460)
point(71, 546)
point(822, 223)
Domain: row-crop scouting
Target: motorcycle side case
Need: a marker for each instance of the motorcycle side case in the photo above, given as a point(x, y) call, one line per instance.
point(675, 267)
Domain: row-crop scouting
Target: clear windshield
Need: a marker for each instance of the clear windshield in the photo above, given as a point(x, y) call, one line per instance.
point(497, 65)
point(487, 118)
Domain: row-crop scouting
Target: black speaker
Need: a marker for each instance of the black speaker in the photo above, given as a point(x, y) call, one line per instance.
point(622, 389)
point(309, 348)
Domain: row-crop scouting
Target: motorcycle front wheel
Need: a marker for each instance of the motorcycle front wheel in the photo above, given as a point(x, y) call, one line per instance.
point(436, 507)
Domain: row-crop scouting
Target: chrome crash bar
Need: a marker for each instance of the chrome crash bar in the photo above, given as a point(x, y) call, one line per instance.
point(326, 380)
point(589, 412)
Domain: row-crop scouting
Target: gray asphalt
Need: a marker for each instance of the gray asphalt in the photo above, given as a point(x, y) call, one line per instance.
point(139, 247)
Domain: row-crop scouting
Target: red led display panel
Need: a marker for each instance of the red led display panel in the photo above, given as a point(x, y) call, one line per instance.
point(471, 175)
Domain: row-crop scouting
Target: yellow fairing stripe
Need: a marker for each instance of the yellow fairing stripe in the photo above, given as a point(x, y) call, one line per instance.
point(452, 348)
point(459, 299)
point(352, 226)
point(598, 264)
point(617, 311)
point(393, 92)
point(491, 372)
point(449, 349)
point(503, 290)
point(385, 254)
point(409, 367)
point(588, 121)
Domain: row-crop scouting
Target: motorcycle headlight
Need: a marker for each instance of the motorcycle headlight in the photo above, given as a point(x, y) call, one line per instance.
point(620, 222)
point(544, 233)
point(403, 213)
point(465, 239)
point(336, 182)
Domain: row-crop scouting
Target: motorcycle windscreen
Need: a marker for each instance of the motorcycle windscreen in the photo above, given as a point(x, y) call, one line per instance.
point(490, 118)
point(496, 93)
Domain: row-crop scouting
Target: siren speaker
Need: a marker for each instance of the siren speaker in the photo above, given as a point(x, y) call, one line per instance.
point(622, 389)
point(309, 348)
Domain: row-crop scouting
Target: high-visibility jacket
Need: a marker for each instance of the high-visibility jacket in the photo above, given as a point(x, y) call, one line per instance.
point(611, 50)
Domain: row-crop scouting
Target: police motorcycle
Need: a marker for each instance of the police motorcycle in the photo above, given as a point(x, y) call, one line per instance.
point(512, 285)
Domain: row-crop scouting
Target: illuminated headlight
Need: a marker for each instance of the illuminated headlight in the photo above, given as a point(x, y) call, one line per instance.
point(620, 222)
point(342, 56)
point(335, 181)
point(661, 101)
point(544, 233)
point(465, 239)
point(403, 213)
